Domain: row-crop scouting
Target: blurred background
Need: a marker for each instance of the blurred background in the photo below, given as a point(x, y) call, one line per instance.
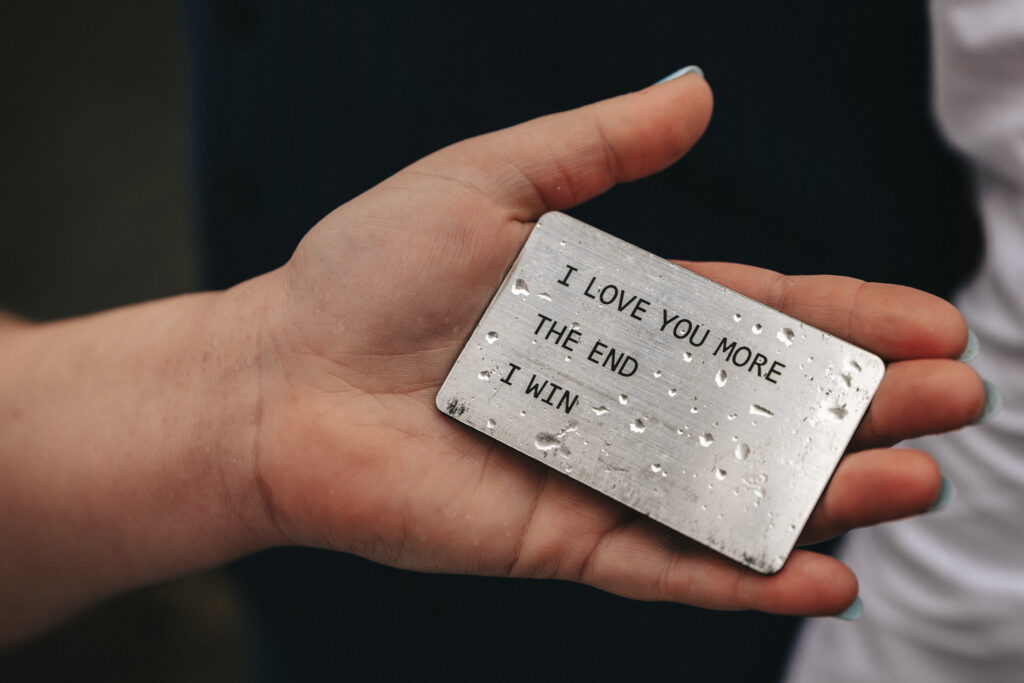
point(94, 188)
point(154, 148)
point(94, 179)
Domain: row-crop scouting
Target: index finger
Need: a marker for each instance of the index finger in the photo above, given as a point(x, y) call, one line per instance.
point(894, 321)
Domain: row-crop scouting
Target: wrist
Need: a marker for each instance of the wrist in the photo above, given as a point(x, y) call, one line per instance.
point(127, 450)
point(231, 410)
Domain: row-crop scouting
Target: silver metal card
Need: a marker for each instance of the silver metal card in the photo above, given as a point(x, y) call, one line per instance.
point(709, 412)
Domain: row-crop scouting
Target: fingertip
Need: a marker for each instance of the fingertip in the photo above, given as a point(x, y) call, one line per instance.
point(810, 584)
point(853, 612)
point(946, 496)
point(971, 348)
point(909, 323)
point(679, 73)
point(990, 405)
point(688, 111)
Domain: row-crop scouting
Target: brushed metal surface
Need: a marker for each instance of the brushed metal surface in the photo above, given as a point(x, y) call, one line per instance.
point(707, 411)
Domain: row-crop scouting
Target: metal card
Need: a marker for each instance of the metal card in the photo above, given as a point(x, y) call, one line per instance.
point(709, 412)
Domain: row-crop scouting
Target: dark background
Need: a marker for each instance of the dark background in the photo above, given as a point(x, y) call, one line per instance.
point(121, 124)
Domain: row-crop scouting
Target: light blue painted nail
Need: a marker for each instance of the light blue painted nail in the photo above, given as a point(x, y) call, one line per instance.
point(946, 495)
point(692, 69)
point(853, 612)
point(993, 402)
point(971, 349)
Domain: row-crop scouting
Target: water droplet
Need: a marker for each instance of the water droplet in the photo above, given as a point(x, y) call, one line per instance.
point(732, 416)
point(544, 296)
point(680, 431)
point(720, 474)
point(694, 410)
point(672, 393)
point(657, 374)
point(760, 410)
point(519, 288)
point(562, 243)
point(853, 365)
point(656, 468)
point(623, 399)
point(721, 378)
point(834, 411)
point(687, 357)
point(737, 317)
point(601, 410)
point(568, 359)
point(785, 336)
point(756, 329)
point(575, 326)
point(706, 439)
point(491, 424)
point(637, 426)
point(522, 413)
point(547, 442)
point(485, 375)
point(491, 337)
point(742, 451)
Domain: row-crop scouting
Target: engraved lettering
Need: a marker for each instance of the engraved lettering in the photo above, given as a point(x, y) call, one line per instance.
point(743, 351)
point(611, 291)
point(564, 336)
point(557, 331)
point(640, 307)
point(773, 370)
point(533, 388)
point(565, 280)
point(683, 328)
point(693, 336)
point(722, 346)
point(507, 379)
point(551, 394)
point(566, 404)
point(567, 401)
point(616, 361)
point(665, 319)
point(742, 356)
point(610, 294)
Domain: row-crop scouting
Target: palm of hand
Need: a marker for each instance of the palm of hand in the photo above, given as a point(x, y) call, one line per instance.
point(371, 313)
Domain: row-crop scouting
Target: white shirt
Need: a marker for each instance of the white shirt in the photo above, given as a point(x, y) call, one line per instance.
point(943, 593)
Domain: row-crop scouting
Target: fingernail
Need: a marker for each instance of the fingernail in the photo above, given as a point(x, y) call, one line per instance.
point(853, 612)
point(692, 69)
point(993, 402)
point(971, 349)
point(946, 495)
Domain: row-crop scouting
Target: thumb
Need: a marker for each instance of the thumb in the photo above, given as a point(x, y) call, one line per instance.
point(558, 161)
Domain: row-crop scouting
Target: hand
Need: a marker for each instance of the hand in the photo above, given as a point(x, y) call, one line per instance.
point(362, 325)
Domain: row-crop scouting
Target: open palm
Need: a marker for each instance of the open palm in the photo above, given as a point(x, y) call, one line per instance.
point(362, 325)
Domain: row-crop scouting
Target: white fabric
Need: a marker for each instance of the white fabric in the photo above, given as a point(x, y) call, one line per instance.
point(944, 593)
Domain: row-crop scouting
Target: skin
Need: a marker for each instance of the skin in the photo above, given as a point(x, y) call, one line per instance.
point(152, 441)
